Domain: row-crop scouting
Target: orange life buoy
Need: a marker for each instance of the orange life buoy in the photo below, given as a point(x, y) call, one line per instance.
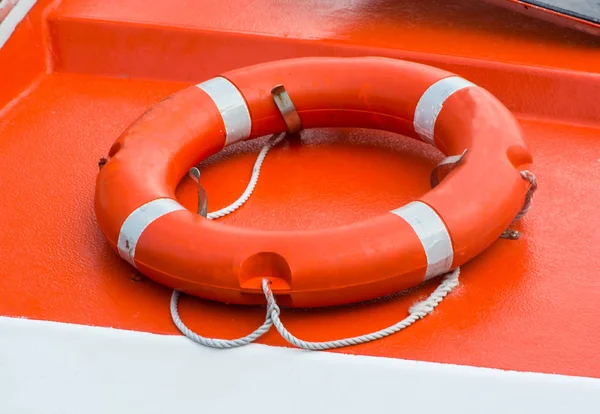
point(137, 211)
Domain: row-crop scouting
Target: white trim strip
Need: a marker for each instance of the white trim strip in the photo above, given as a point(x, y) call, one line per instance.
point(14, 17)
point(433, 234)
point(133, 227)
point(232, 106)
point(74, 369)
point(431, 103)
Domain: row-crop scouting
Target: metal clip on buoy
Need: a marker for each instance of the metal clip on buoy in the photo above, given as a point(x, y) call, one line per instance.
point(445, 166)
point(510, 234)
point(102, 162)
point(287, 109)
point(194, 174)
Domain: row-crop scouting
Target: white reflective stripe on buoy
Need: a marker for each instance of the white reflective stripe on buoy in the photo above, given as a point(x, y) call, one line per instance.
point(232, 106)
point(431, 103)
point(434, 236)
point(133, 227)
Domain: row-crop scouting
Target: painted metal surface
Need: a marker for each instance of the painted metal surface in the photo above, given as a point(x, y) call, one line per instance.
point(5, 7)
point(12, 13)
point(92, 370)
point(582, 15)
point(505, 315)
point(527, 305)
point(94, 37)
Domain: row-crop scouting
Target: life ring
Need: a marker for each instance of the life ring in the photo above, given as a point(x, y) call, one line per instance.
point(137, 211)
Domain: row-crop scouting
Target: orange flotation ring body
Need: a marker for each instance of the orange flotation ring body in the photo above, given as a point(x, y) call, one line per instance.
point(137, 211)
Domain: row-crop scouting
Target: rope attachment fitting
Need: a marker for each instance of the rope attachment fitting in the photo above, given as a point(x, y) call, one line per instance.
point(533, 186)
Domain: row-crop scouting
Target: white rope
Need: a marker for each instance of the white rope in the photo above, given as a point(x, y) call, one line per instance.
point(213, 342)
point(253, 180)
point(416, 311)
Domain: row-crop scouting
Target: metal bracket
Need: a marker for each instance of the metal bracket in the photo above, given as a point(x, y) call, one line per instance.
point(510, 234)
point(194, 174)
point(287, 109)
point(102, 162)
point(447, 165)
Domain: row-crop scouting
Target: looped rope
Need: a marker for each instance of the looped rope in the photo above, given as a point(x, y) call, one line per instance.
point(417, 311)
point(213, 342)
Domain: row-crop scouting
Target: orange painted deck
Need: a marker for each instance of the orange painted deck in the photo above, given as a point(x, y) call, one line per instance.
point(91, 68)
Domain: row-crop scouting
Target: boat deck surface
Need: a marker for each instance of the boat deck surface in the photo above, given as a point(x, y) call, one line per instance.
point(525, 305)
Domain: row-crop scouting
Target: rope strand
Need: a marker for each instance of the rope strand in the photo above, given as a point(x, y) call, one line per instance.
point(253, 180)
